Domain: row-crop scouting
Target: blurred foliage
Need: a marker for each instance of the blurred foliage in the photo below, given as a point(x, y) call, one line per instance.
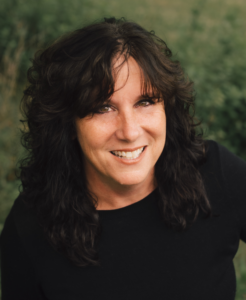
point(240, 266)
point(206, 36)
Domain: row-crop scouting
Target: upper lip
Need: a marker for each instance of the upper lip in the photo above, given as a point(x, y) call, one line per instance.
point(129, 149)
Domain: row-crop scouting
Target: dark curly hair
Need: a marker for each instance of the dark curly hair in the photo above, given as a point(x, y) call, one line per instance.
point(72, 78)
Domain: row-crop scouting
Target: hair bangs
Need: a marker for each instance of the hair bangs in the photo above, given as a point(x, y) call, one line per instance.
point(101, 86)
point(156, 79)
point(97, 83)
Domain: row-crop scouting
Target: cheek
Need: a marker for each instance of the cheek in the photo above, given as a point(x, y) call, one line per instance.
point(159, 134)
point(93, 136)
point(157, 124)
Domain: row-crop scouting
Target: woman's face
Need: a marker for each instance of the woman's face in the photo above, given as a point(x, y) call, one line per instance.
point(130, 122)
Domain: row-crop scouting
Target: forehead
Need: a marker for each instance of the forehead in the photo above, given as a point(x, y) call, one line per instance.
point(129, 77)
point(122, 69)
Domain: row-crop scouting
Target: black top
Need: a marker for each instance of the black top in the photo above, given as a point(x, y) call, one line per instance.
point(140, 257)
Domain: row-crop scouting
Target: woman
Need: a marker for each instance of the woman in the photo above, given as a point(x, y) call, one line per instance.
point(121, 199)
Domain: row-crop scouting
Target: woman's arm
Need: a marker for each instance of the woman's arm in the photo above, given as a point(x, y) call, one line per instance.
point(234, 176)
point(18, 277)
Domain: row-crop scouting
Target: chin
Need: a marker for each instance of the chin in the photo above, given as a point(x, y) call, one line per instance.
point(130, 180)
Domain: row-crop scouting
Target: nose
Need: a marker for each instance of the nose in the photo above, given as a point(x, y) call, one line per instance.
point(128, 128)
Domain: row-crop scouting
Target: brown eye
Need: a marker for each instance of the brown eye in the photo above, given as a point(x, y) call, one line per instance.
point(143, 103)
point(104, 109)
point(146, 102)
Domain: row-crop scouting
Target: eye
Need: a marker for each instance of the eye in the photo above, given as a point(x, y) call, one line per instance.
point(143, 103)
point(146, 102)
point(104, 109)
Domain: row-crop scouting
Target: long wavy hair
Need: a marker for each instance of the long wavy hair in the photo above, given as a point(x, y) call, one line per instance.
point(73, 78)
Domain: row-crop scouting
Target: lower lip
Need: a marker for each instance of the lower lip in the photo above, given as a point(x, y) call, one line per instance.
point(130, 161)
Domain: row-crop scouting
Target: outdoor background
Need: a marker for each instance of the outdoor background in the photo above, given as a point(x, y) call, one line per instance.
point(207, 36)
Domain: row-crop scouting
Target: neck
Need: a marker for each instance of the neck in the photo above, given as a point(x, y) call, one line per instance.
point(113, 195)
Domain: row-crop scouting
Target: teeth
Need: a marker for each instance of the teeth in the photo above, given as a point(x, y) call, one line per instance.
point(129, 155)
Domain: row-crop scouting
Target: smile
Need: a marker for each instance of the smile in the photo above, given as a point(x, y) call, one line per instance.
point(128, 155)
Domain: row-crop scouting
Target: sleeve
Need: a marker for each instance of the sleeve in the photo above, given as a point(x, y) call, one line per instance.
point(17, 272)
point(234, 177)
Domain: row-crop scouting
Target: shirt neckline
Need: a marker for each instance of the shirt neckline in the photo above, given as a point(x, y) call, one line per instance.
point(134, 208)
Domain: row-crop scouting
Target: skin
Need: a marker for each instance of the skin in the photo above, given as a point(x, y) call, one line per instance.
point(126, 123)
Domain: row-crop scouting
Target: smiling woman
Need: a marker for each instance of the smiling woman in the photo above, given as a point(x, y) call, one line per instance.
point(121, 197)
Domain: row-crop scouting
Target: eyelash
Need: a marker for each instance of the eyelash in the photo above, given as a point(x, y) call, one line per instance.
point(147, 100)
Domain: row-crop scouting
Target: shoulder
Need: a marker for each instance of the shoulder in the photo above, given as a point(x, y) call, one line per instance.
point(224, 163)
point(224, 176)
point(22, 217)
point(21, 225)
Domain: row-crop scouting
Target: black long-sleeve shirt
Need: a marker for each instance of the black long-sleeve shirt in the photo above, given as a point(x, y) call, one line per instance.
point(140, 257)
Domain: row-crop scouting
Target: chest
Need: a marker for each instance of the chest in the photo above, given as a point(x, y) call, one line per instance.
point(146, 260)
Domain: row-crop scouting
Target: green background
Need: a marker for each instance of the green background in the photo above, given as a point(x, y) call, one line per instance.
point(208, 37)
